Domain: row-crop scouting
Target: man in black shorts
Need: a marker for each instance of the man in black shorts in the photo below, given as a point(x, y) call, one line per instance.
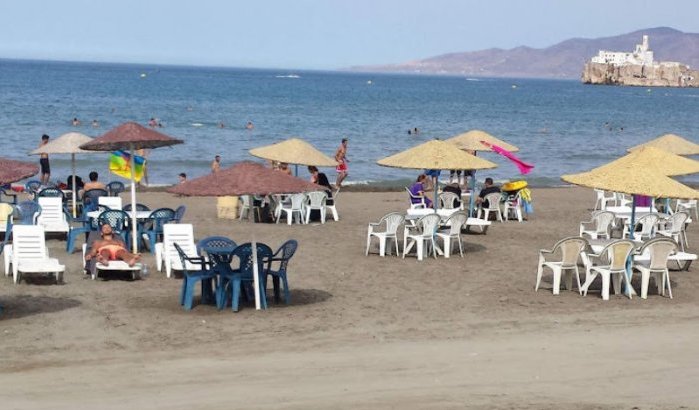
point(44, 162)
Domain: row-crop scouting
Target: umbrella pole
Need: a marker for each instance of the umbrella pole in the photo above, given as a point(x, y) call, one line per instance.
point(629, 262)
point(296, 170)
point(134, 231)
point(256, 276)
point(472, 199)
point(75, 188)
point(435, 204)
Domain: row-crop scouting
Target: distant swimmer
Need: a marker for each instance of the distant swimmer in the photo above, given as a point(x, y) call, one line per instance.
point(76, 122)
point(95, 124)
point(152, 122)
point(416, 131)
point(216, 164)
point(249, 125)
point(221, 125)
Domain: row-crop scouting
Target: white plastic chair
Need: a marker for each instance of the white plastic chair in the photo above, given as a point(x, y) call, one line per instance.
point(5, 216)
point(675, 228)
point(659, 250)
point(455, 223)
point(604, 199)
point(416, 202)
point(165, 252)
point(247, 208)
point(447, 200)
point(599, 226)
point(687, 205)
point(135, 270)
point(570, 250)
point(611, 261)
point(647, 223)
point(315, 200)
point(52, 217)
point(392, 221)
point(423, 231)
point(30, 254)
point(513, 207)
point(331, 204)
point(623, 199)
point(293, 206)
point(113, 202)
point(493, 200)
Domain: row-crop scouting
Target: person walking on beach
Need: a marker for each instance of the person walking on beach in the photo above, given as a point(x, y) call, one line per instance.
point(44, 162)
point(341, 158)
point(216, 164)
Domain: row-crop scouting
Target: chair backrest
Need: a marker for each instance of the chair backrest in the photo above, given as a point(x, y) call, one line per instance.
point(244, 254)
point(456, 222)
point(603, 221)
point(26, 212)
point(51, 211)
point(139, 207)
point(182, 235)
point(415, 199)
point(113, 202)
point(617, 253)
point(448, 200)
point(317, 199)
point(678, 221)
point(115, 188)
point(570, 248)
point(90, 197)
point(393, 222)
point(28, 243)
point(116, 218)
point(428, 224)
point(179, 213)
point(51, 192)
point(297, 201)
point(33, 186)
point(284, 253)
point(245, 199)
point(216, 244)
point(160, 217)
point(647, 223)
point(660, 249)
point(493, 200)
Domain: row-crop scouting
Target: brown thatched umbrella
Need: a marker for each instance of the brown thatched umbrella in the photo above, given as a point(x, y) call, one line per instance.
point(245, 178)
point(671, 143)
point(13, 171)
point(131, 136)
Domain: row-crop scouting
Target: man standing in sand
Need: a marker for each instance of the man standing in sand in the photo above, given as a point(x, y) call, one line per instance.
point(44, 162)
point(341, 158)
point(216, 164)
point(110, 248)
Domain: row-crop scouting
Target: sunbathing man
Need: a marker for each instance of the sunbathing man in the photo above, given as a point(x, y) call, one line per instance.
point(110, 248)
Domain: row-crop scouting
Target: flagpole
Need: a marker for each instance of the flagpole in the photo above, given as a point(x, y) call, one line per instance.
point(75, 188)
point(134, 230)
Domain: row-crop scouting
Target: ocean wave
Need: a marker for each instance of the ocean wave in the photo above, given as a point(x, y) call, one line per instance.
point(287, 76)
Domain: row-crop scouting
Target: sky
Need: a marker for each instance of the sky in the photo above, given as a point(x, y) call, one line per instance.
point(311, 34)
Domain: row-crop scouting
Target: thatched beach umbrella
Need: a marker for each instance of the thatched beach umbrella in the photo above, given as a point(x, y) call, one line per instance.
point(435, 154)
point(131, 136)
point(655, 160)
point(67, 144)
point(12, 170)
point(294, 151)
point(473, 141)
point(671, 143)
point(245, 178)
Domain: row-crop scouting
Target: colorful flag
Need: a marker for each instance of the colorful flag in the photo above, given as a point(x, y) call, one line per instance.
point(524, 168)
point(120, 164)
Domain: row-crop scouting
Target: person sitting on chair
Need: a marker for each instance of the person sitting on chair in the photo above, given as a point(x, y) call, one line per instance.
point(454, 188)
point(417, 190)
point(110, 248)
point(488, 188)
point(94, 183)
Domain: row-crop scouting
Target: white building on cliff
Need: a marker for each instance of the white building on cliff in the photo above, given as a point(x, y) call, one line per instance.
point(642, 55)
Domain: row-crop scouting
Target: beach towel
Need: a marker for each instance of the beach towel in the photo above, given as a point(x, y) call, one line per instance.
point(120, 164)
point(524, 168)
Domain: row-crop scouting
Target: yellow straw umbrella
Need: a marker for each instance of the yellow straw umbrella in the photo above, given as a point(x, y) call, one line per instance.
point(435, 154)
point(655, 160)
point(671, 143)
point(294, 151)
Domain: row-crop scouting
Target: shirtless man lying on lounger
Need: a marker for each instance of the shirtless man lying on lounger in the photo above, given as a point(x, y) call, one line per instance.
point(110, 248)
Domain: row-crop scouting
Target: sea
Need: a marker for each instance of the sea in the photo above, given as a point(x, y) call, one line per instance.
point(560, 126)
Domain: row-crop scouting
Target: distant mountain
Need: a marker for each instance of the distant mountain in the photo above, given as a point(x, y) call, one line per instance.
point(562, 60)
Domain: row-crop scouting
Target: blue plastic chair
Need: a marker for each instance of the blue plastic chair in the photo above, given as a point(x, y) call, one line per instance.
point(179, 213)
point(231, 280)
point(86, 225)
point(119, 221)
point(32, 187)
point(115, 188)
point(205, 275)
point(216, 245)
point(27, 211)
point(6, 190)
point(51, 192)
point(139, 207)
point(153, 228)
point(90, 197)
point(283, 255)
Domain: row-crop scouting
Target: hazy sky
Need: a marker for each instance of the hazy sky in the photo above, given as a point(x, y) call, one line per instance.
point(311, 33)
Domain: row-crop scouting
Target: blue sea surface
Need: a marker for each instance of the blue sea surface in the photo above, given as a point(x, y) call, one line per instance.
point(560, 126)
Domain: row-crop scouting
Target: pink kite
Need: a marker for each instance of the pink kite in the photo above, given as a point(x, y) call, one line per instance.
point(524, 168)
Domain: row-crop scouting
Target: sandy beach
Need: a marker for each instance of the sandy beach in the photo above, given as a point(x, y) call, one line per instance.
point(361, 332)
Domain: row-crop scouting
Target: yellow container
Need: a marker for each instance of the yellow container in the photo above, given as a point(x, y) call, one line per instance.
point(227, 207)
point(514, 186)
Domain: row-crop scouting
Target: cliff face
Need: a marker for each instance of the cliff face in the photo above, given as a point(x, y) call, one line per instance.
point(641, 76)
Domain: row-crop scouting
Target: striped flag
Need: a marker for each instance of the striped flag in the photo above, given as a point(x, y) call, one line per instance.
point(120, 164)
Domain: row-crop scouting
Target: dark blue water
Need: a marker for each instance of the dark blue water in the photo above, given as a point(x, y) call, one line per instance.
point(558, 125)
